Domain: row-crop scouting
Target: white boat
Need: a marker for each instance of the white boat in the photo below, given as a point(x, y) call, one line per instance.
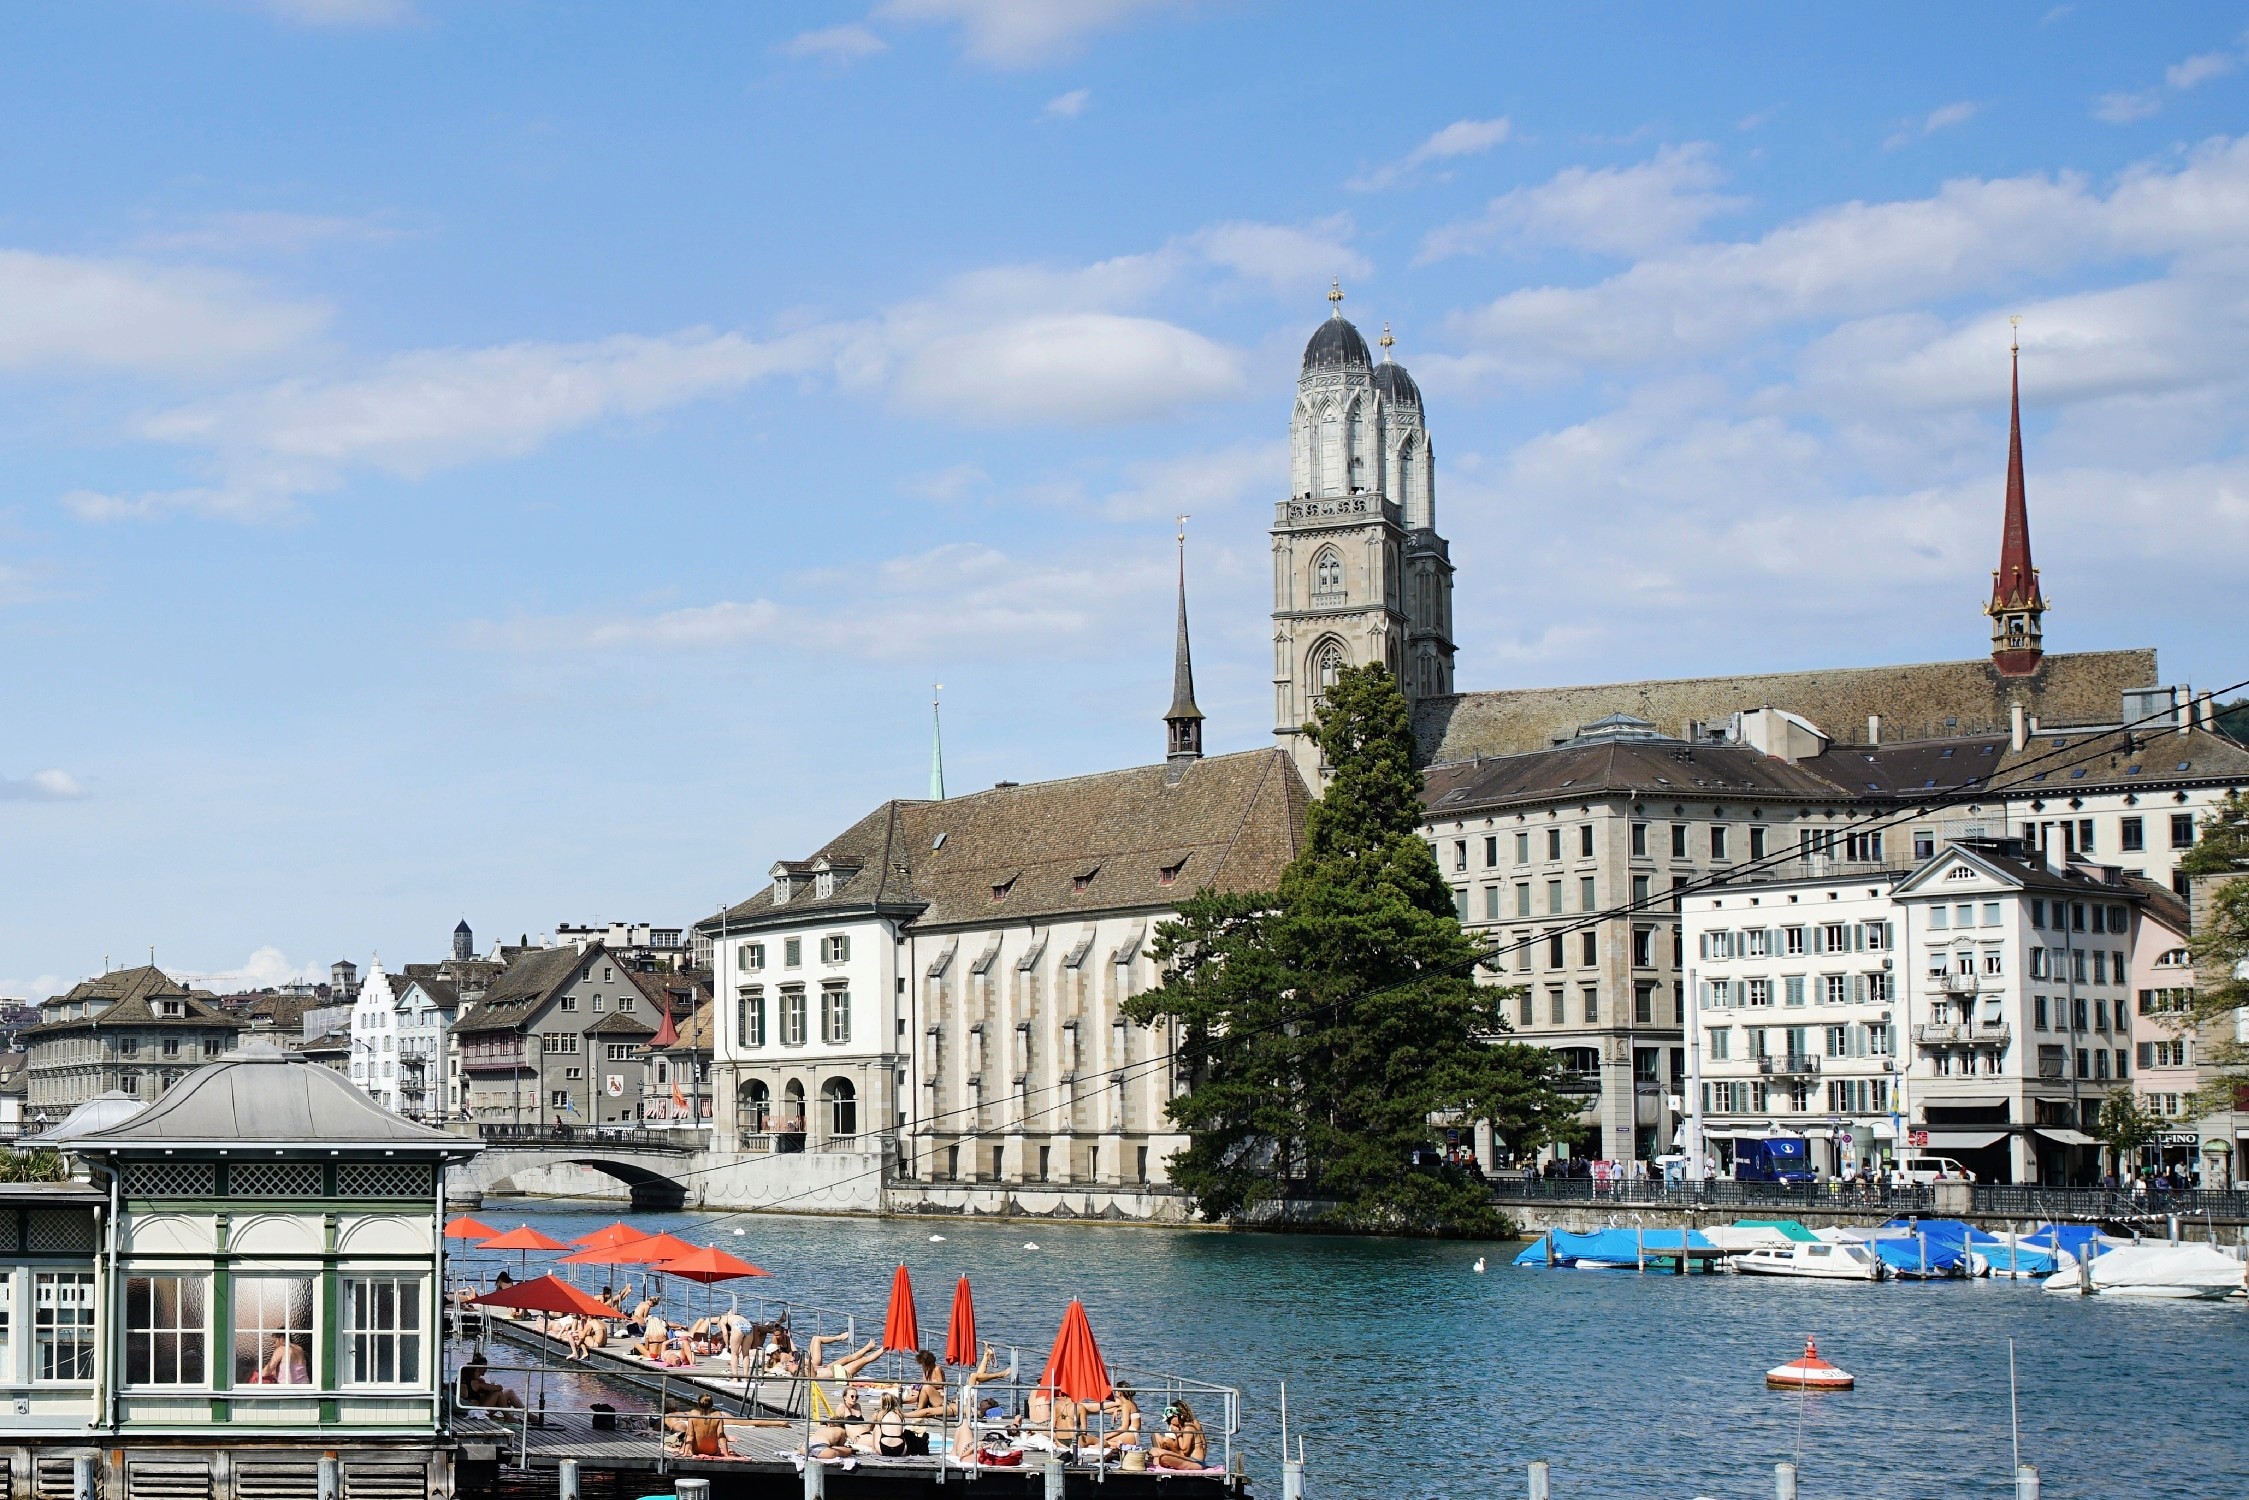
point(2176, 1272)
point(1814, 1262)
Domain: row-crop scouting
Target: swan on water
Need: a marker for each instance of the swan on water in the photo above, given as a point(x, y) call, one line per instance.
point(1030, 1244)
point(1479, 1265)
point(937, 1239)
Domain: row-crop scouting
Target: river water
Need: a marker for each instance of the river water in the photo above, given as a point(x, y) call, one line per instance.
point(1409, 1375)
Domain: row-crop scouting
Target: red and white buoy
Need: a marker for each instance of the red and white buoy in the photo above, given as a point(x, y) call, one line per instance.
point(1811, 1373)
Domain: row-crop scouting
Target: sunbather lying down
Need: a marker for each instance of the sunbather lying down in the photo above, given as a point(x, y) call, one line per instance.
point(848, 1366)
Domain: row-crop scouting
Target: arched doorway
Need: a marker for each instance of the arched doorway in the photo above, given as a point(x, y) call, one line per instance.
point(839, 1108)
point(790, 1136)
point(753, 1108)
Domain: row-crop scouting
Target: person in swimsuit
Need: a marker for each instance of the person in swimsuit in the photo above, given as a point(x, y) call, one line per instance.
point(1181, 1444)
point(477, 1391)
point(929, 1396)
point(1123, 1421)
point(700, 1432)
point(890, 1430)
point(851, 1364)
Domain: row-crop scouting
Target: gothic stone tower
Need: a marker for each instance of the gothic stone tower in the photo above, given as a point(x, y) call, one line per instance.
point(2017, 607)
point(1359, 572)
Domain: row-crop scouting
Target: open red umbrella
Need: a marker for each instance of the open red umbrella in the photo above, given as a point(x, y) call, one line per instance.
point(466, 1228)
point(960, 1329)
point(619, 1233)
point(652, 1251)
point(522, 1237)
point(708, 1265)
point(548, 1295)
point(1075, 1368)
point(901, 1330)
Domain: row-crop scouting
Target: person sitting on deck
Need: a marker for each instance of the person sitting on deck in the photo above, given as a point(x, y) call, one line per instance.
point(850, 1365)
point(929, 1396)
point(478, 1392)
point(1055, 1417)
point(890, 1430)
point(1181, 1444)
point(1124, 1421)
point(699, 1432)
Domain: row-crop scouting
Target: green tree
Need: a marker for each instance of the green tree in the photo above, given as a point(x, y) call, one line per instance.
point(40, 1164)
point(1324, 1025)
point(2125, 1126)
point(2224, 844)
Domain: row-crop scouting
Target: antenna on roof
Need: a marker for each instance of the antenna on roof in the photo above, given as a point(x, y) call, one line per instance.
point(936, 746)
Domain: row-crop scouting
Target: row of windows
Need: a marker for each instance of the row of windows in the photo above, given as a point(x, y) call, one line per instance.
point(2077, 1013)
point(1717, 838)
point(794, 1008)
point(835, 948)
point(1849, 1040)
point(168, 1331)
point(2092, 1063)
point(625, 1006)
point(1650, 1007)
point(1844, 1096)
point(1870, 988)
point(1792, 942)
point(2131, 833)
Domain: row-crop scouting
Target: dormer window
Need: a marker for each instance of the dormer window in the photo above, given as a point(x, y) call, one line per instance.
point(783, 888)
point(171, 1008)
point(824, 884)
point(1169, 874)
point(999, 892)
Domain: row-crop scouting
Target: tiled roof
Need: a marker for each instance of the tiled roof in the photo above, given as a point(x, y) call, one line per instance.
point(1914, 768)
point(444, 992)
point(615, 1024)
point(1640, 768)
point(695, 1034)
point(131, 993)
point(529, 981)
point(2057, 765)
point(1229, 821)
point(1918, 699)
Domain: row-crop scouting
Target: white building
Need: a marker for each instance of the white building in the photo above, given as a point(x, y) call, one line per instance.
point(1978, 1004)
point(374, 1036)
point(428, 1082)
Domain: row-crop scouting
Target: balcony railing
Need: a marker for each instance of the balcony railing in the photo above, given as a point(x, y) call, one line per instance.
point(1795, 1064)
point(1960, 1033)
point(1578, 1081)
point(1958, 984)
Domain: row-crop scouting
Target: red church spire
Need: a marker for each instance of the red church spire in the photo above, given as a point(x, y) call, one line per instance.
point(2017, 608)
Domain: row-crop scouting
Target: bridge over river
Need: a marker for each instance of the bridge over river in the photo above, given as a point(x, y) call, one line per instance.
point(668, 1169)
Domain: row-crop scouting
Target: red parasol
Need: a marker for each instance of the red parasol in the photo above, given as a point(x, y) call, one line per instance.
point(960, 1329)
point(466, 1228)
point(901, 1330)
point(619, 1233)
point(547, 1295)
point(709, 1265)
point(1075, 1367)
point(523, 1237)
point(653, 1250)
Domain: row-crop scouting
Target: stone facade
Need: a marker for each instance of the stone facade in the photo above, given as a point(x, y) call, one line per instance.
point(137, 1031)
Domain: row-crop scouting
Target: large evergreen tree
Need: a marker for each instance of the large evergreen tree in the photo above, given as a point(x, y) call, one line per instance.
point(1325, 1025)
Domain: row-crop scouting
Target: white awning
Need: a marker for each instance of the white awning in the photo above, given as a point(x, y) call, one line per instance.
point(1964, 1140)
point(2069, 1137)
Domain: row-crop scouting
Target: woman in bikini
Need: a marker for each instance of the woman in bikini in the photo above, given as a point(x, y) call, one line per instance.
point(1180, 1445)
point(1123, 1421)
point(890, 1430)
point(929, 1396)
point(701, 1431)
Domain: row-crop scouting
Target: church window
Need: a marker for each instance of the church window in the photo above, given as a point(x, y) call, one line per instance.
point(1327, 665)
point(1327, 574)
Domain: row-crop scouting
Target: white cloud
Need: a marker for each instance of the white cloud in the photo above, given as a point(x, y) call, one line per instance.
point(1608, 210)
point(1210, 484)
point(2126, 106)
point(41, 786)
point(266, 968)
point(947, 484)
point(267, 230)
point(1460, 138)
point(1078, 369)
point(435, 409)
point(1067, 106)
point(836, 44)
point(1291, 259)
point(339, 12)
point(921, 606)
point(1858, 259)
point(67, 313)
point(1944, 117)
point(1024, 33)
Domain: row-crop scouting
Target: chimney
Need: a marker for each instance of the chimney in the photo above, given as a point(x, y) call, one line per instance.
point(1874, 729)
point(2208, 712)
point(2018, 733)
point(2182, 704)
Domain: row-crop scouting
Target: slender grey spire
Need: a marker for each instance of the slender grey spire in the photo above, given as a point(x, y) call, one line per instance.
point(1184, 722)
point(936, 747)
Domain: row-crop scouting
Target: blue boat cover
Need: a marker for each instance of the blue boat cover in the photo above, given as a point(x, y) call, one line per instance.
point(1944, 1231)
point(2070, 1237)
point(2027, 1260)
point(1615, 1246)
point(1917, 1253)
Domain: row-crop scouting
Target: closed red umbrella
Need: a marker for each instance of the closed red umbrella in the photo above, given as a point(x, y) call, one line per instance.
point(619, 1233)
point(1075, 1368)
point(960, 1329)
point(708, 1265)
point(901, 1330)
point(547, 1295)
point(466, 1228)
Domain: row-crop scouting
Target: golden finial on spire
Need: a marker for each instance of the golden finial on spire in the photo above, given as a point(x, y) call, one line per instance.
point(1335, 298)
point(1183, 530)
point(1387, 341)
point(2015, 340)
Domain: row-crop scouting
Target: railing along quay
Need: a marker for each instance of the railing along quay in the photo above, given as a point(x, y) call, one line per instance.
point(610, 1137)
point(1986, 1200)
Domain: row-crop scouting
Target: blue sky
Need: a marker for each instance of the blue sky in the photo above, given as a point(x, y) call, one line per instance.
point(529, 462)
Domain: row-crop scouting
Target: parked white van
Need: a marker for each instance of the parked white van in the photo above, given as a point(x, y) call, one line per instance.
point(1922, 1169)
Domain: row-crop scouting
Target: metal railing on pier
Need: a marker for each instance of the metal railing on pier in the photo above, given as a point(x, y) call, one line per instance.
point(1986, 1200)
point(613, 1137)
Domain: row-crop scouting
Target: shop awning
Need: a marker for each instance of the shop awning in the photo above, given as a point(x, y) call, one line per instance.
point(2069, 1137)
point(1964, 1140)
point(1965, 1101)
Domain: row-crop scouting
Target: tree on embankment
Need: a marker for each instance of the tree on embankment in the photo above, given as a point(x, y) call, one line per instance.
point(2220, 947)
point(1323, 1027)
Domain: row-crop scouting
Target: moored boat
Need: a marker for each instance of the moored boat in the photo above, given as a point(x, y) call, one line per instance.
point(1812, 1262)
point(2167, 1272)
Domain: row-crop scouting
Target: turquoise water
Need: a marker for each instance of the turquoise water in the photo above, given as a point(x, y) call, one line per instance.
point(1410, 1376)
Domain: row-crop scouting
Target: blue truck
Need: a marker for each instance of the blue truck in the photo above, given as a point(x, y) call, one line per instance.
point(1779, 1158)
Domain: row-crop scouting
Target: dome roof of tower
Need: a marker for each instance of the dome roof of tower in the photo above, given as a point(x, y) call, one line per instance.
point(1336, 345)
point(1392, 380)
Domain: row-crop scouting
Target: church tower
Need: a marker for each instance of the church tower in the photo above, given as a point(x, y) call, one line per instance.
point(2017, 607)
point(1359, 572)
